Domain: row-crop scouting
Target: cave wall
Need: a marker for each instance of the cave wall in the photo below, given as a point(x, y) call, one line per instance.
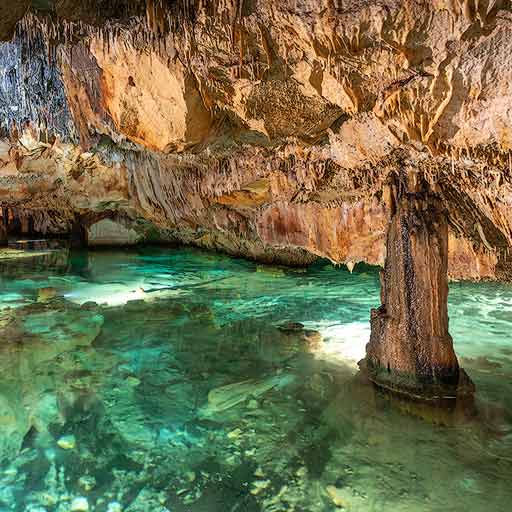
point(265, 129)
point(32, 91)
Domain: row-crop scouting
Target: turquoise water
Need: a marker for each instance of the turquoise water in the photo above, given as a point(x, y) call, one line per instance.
point(163, 380)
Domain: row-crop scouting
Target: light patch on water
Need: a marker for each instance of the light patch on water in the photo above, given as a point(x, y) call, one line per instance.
point(11, 300)
point(342, 342)
point(110, 294)
point(117, 295)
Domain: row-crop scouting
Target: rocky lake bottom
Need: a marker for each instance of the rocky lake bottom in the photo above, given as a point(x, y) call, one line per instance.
point(173, 380)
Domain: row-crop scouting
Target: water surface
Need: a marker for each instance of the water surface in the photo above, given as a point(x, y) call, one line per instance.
point(160, 380)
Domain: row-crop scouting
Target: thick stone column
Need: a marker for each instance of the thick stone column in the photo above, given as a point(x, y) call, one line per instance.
point(410, 349)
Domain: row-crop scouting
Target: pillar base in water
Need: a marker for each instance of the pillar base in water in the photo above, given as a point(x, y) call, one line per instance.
point(446, 407)
point(411, 387)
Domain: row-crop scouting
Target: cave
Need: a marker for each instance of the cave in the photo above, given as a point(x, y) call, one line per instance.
point(255, 255)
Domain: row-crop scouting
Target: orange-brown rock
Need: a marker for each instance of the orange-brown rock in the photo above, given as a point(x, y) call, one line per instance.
point(410, 349)
point(151, 100)
point(250, 196)
point(265, 129)
point(348, 233)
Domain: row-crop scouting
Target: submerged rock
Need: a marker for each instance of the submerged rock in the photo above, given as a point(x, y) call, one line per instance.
point(45, 294)
point(37, 338)
point(226, 397)
point(87, 482)
point(337, 496)
point(63, 328)
point(147, 499)
point(80, 504)
point(67, 442)
point(260, 485)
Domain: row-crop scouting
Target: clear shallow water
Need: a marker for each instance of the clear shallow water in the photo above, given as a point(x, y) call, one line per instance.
point(177, 391)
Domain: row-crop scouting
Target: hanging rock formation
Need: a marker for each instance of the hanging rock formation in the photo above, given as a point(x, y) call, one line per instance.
point(410, 349)
point(263, 129)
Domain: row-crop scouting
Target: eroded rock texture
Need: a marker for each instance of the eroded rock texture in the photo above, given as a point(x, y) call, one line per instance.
point(264, 129)
point(410, 348)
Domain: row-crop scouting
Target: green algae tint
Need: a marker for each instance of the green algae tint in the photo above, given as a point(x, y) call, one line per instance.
point(162, 380)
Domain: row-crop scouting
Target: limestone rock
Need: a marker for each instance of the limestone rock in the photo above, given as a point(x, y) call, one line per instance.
point(271, 137)
point(224, 398)
point(152, 100)
point(410, 349)
point(108, 232)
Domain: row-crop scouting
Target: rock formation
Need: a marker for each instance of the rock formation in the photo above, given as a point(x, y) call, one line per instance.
point(410, 348)
point(3, 226)
point(263, 129)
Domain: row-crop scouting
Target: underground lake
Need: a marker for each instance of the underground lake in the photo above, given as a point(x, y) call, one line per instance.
point(158, 379)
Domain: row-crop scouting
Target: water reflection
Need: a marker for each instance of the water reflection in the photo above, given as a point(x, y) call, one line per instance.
point(178, 380)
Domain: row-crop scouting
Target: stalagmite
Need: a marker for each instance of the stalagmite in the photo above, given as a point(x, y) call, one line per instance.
point(410, 349)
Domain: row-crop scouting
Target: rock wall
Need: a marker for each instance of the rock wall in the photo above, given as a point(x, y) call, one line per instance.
point(107, 232)
point(31, 90)
point(266, 129)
